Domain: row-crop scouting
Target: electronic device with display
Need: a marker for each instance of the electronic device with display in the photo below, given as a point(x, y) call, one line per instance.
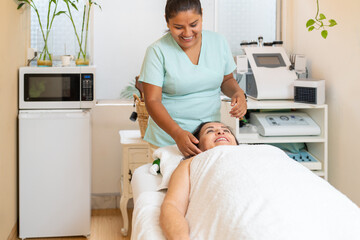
point(270, 76)
point(284, 124)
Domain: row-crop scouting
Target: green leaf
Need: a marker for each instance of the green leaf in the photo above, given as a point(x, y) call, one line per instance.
point(60, 12)
point(311, 28)
point(128, 91)
point(324, 34)
point(310, 22)
point(332, 22)
point(322, 16)
point(97, 5)
point(20, 5)
point(73, 5)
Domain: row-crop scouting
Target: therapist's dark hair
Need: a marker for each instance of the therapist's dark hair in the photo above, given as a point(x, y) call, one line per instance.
point(173, 7)
point(196, 132)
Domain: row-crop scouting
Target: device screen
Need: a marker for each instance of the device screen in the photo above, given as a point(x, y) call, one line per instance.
point(271, 60)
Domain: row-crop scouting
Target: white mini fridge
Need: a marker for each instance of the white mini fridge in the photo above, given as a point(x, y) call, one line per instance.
point(54, 173)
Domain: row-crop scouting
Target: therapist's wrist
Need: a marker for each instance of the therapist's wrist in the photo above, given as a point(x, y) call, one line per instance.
point(175, 132)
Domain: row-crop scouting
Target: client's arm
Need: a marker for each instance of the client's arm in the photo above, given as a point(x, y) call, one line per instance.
point(174, 207)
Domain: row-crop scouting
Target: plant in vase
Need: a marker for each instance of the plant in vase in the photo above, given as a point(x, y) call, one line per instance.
point(82, 57)
point(45, 58)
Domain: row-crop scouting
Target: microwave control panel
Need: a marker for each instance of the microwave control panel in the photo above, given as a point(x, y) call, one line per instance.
point(87, 87)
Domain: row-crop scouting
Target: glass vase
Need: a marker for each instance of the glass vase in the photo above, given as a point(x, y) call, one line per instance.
point(82, 59)
point(45, 60)
point(45, 46)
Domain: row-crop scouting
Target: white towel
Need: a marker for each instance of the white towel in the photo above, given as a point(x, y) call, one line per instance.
point(257, 192)
point(145, 224)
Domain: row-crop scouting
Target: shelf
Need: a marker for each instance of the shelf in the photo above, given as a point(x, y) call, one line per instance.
point(295, 139)
point(279, 104)
point(319, 173)
point(317, 145)
point(131, 137)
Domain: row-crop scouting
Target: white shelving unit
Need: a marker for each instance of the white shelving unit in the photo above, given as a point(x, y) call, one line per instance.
point(317, 145)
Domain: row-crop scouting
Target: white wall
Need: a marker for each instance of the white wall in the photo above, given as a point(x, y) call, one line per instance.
point(336, 60)
point(108, 118)
point(119, 48)
point(122, 44)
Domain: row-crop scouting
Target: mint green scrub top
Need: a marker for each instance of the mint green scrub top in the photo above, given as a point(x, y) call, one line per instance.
point(190, 93)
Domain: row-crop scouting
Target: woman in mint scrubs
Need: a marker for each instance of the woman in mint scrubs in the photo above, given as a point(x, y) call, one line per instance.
point(183, 74)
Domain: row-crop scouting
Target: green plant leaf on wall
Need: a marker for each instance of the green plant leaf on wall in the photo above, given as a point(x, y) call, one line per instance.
point(318, 24)
point(332, 22)
point(324, 34)
point(322, 16)
point(20, 5)
point(310, 22)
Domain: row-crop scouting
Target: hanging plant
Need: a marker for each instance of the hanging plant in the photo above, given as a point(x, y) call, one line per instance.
point(319, 23)
point(82, 58)
point(45, 57)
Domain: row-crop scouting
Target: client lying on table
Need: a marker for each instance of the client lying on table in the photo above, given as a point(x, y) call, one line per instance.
point(252, 192)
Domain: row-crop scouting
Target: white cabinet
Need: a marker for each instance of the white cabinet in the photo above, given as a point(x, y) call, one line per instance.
point(135, 152)
point(54, 173)
point(317, 145)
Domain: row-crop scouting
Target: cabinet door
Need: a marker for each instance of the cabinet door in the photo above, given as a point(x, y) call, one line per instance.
point(138, 155)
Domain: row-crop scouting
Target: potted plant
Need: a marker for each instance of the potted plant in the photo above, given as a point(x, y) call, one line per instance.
point(82, 57)
point(129, 90)
point(45, 58)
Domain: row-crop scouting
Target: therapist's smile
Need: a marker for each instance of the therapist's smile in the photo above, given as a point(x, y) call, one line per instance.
point(186, 28)
point(188, 38)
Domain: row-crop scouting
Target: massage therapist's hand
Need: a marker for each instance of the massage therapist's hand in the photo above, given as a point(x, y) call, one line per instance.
point(239, 106)
point(186, 143)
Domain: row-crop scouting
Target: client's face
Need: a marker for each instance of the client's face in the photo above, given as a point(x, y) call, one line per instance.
point(215, 134)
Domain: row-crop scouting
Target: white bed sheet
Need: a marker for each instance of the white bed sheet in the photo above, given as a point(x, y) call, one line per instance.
point(143, 181)
point(147, 203)
point(261, 216)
